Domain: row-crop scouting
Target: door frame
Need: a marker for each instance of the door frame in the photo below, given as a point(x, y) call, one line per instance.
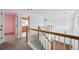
point(16, 23)
point(28, 33)
point(16, 26)
point(2, 15)
point(27, 28)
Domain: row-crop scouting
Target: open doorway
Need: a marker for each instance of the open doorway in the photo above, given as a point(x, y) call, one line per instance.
point(10, 22)
point(25, 27)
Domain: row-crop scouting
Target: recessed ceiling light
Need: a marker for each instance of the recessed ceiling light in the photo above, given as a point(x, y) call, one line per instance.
point(29, 9)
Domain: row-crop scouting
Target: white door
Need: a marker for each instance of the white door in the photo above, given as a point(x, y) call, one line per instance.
point(1, 27)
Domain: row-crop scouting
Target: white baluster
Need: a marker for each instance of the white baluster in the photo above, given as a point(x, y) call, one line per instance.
point(59, 43)
point(64, 43)
point(78, 44)
point(70, 43)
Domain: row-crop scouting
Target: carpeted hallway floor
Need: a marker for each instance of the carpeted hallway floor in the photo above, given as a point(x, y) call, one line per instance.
point(13, 43)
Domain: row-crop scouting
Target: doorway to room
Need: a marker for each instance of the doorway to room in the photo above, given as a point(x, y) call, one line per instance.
point(25, 27)
point(10, 22)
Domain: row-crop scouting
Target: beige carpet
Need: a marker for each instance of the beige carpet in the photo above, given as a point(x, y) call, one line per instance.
point(13, 43)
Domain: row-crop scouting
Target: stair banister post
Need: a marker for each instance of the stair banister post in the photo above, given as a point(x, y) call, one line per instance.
point(38, 32)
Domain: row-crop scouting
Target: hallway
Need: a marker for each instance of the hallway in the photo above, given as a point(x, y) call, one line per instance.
point(44, 29)
point(13, 43)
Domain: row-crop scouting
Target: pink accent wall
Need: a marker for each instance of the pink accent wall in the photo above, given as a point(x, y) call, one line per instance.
point(9, 23)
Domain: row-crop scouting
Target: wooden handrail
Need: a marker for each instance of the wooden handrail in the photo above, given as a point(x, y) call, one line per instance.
point(44, 34)
point(58, 34)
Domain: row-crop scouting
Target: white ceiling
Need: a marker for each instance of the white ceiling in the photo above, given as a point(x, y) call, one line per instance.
point(41, 11)
point(17, 11)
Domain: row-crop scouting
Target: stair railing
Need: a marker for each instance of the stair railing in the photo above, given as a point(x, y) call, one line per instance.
point(45, 42)
point(57, 44)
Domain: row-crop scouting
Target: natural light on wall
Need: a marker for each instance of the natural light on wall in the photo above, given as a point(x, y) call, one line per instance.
point(24, 22)
point(58, 28)
point(62, 27)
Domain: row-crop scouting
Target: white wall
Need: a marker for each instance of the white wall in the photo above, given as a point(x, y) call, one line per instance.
point(35, 20)
point(76, 28)
point(53, 16)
